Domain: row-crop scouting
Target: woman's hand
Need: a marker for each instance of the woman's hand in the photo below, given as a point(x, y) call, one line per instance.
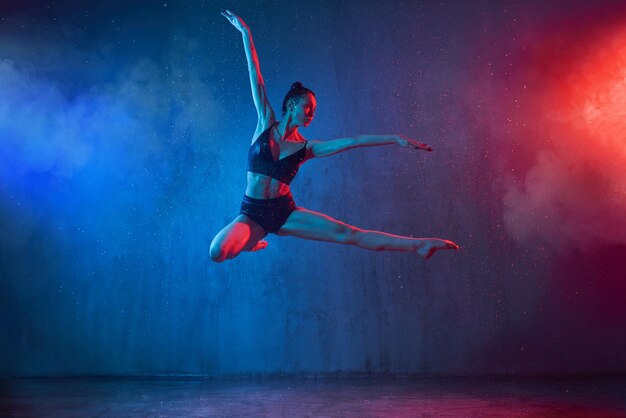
point(235, 20)
point(411, 143)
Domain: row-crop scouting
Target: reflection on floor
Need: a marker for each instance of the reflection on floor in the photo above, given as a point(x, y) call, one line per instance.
point(314, 397)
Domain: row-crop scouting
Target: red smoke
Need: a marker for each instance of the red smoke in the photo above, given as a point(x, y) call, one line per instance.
point(557, 120)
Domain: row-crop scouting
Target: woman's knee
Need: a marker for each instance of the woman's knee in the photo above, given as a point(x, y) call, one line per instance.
point(233, 239)
point(217, 252)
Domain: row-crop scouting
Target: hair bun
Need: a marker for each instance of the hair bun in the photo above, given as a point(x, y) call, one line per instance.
point(296, 92)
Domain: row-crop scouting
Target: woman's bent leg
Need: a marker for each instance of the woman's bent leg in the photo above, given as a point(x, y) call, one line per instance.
point(304, 223)
point(243, 234)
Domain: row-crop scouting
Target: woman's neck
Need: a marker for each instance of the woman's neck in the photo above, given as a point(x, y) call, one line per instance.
point(286, 129)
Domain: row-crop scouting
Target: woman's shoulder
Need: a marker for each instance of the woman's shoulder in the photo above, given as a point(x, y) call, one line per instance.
point(262, 126)
point(301, 138)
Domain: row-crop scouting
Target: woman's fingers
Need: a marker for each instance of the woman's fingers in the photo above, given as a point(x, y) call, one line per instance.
point(424, 147)
point(406, 142)
point(234, 19)
point(230, 16)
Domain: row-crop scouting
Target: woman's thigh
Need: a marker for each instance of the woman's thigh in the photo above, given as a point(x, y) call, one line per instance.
point(241, 234)
point(307, 224)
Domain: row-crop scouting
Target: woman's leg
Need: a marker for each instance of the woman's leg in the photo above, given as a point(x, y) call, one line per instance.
point(304, 223)
point(242, 234)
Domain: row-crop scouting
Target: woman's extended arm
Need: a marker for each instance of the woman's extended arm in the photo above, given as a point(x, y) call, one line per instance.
point(263, 108)
point(327, 148)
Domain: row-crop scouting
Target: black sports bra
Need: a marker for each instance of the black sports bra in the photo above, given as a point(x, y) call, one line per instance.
point(260, 159)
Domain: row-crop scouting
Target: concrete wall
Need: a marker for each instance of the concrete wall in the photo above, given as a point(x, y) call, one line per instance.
point(124, 135)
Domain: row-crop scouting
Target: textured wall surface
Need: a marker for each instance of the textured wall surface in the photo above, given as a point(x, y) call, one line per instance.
point(123, 140)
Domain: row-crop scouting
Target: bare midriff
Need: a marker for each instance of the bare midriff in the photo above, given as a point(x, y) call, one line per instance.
point(261, 186)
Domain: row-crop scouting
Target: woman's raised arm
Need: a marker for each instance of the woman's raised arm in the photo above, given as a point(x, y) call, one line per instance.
point(263, 107)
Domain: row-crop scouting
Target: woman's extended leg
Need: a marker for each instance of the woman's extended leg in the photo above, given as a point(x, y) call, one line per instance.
point(304, 223)
point(242, 234)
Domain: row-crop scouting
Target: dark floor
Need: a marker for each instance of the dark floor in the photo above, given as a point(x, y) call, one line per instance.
point(328, 397)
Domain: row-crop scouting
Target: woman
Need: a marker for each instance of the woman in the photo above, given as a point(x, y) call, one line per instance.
point(277, 151)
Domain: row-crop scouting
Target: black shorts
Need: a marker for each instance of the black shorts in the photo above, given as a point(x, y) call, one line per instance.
point(270, 214)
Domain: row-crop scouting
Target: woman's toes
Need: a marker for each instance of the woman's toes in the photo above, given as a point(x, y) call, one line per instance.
point(259, 245)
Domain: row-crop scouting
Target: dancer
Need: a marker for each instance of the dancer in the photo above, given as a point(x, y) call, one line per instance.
point(275, 155)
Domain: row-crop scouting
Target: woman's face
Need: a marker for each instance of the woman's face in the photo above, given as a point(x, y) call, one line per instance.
point(304, 110)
